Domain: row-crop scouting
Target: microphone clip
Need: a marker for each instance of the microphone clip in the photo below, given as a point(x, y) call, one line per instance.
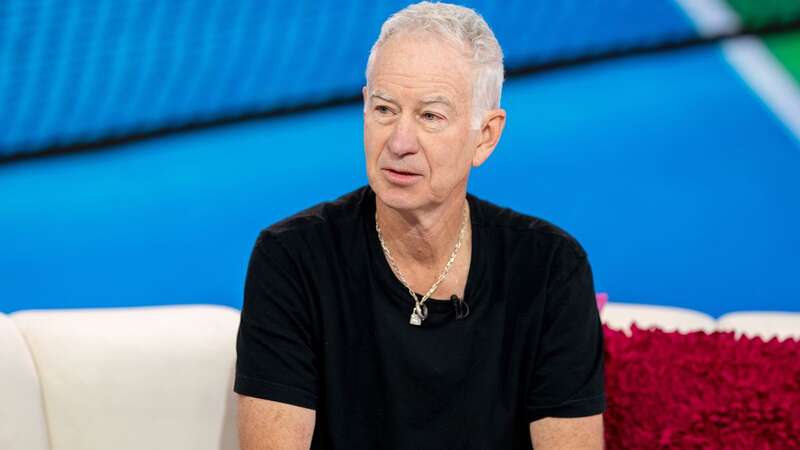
point(460, 306)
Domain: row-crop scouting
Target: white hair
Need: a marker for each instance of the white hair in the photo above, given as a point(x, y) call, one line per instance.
point(464, 27)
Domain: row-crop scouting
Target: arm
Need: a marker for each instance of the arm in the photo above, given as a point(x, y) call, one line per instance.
point(269, 425)
point(567, 433)
point(567, 393)
point(276, 365)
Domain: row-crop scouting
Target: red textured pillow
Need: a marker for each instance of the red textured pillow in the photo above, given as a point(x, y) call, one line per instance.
point(698, 390)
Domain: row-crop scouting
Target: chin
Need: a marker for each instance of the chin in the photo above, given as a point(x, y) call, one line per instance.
point(397, 197)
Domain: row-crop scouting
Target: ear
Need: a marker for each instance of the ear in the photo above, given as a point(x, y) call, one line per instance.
point(364, 97)
point(491, 128)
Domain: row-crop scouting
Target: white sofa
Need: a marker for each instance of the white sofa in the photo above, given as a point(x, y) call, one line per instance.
point(118, 378)
point(161, 377)
point(766, 325)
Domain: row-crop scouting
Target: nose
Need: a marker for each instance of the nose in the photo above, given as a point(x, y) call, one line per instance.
point(403, 139)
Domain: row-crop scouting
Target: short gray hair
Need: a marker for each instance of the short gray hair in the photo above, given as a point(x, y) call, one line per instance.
point(462, 26)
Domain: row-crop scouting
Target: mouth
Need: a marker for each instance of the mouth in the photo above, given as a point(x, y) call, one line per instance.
point(400, 172)
point(401, 178)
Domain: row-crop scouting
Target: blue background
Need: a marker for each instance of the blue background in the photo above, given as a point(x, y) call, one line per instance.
point(676, 178)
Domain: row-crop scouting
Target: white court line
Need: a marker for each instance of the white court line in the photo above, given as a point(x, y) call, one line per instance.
point(711, 17)
point(767, 77)
point(750, 58)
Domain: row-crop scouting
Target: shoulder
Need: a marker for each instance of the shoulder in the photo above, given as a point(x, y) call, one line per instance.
point(538, 241)
point(502, 219)
point(318, 219)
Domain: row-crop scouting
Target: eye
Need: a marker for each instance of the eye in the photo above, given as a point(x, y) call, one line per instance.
point(383, 109)
point(430, 117)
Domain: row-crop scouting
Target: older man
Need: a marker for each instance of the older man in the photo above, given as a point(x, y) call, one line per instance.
point(410, 314)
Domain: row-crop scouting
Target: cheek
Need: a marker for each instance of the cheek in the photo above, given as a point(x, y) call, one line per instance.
point(370, 142)
point(374, 142)
point(452, 159)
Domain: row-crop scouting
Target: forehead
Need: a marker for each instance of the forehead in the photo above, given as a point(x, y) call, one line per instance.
point(421, 64)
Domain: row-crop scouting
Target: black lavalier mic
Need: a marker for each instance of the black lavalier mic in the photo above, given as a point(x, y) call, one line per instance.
point(460, 306)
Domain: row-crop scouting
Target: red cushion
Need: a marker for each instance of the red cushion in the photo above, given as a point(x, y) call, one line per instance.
point(698, 390)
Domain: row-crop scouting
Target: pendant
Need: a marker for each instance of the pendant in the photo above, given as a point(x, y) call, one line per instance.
point(418, 315)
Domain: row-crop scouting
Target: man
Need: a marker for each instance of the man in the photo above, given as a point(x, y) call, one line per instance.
point(409, 314)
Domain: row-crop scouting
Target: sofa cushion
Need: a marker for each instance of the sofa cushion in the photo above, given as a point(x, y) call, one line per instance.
point(136, 378)
point(621, 316)
point(763, 324)
point(22, 418)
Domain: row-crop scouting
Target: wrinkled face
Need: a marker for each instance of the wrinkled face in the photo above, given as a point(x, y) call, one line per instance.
point(417, 138)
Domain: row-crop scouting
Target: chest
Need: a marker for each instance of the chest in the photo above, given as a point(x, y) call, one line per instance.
point(447, 374)
point(420, 279)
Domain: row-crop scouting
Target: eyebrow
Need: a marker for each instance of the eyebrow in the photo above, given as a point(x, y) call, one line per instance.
point(383, 96)
point(438, 99)
point(426, 101)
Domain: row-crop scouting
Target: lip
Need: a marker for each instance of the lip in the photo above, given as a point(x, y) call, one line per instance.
point(403, 179)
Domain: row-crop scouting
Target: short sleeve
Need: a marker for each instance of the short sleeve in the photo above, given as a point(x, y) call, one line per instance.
point(275, 359)
point(568, 379)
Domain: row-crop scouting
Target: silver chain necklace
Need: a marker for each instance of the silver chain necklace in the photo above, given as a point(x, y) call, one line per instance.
point(420, 311)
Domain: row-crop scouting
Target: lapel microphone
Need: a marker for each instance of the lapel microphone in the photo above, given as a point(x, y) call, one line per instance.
point(460, 306)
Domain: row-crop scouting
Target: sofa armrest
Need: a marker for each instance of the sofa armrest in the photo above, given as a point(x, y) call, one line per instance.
point(22, 417)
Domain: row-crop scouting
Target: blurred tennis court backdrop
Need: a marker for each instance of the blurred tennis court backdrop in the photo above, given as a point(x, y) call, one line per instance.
point(144, 144)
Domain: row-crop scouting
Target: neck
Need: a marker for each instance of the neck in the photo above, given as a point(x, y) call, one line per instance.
point(424, 238)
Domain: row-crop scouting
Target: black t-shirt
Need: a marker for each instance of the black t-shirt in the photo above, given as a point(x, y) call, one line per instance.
point(325, 325)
